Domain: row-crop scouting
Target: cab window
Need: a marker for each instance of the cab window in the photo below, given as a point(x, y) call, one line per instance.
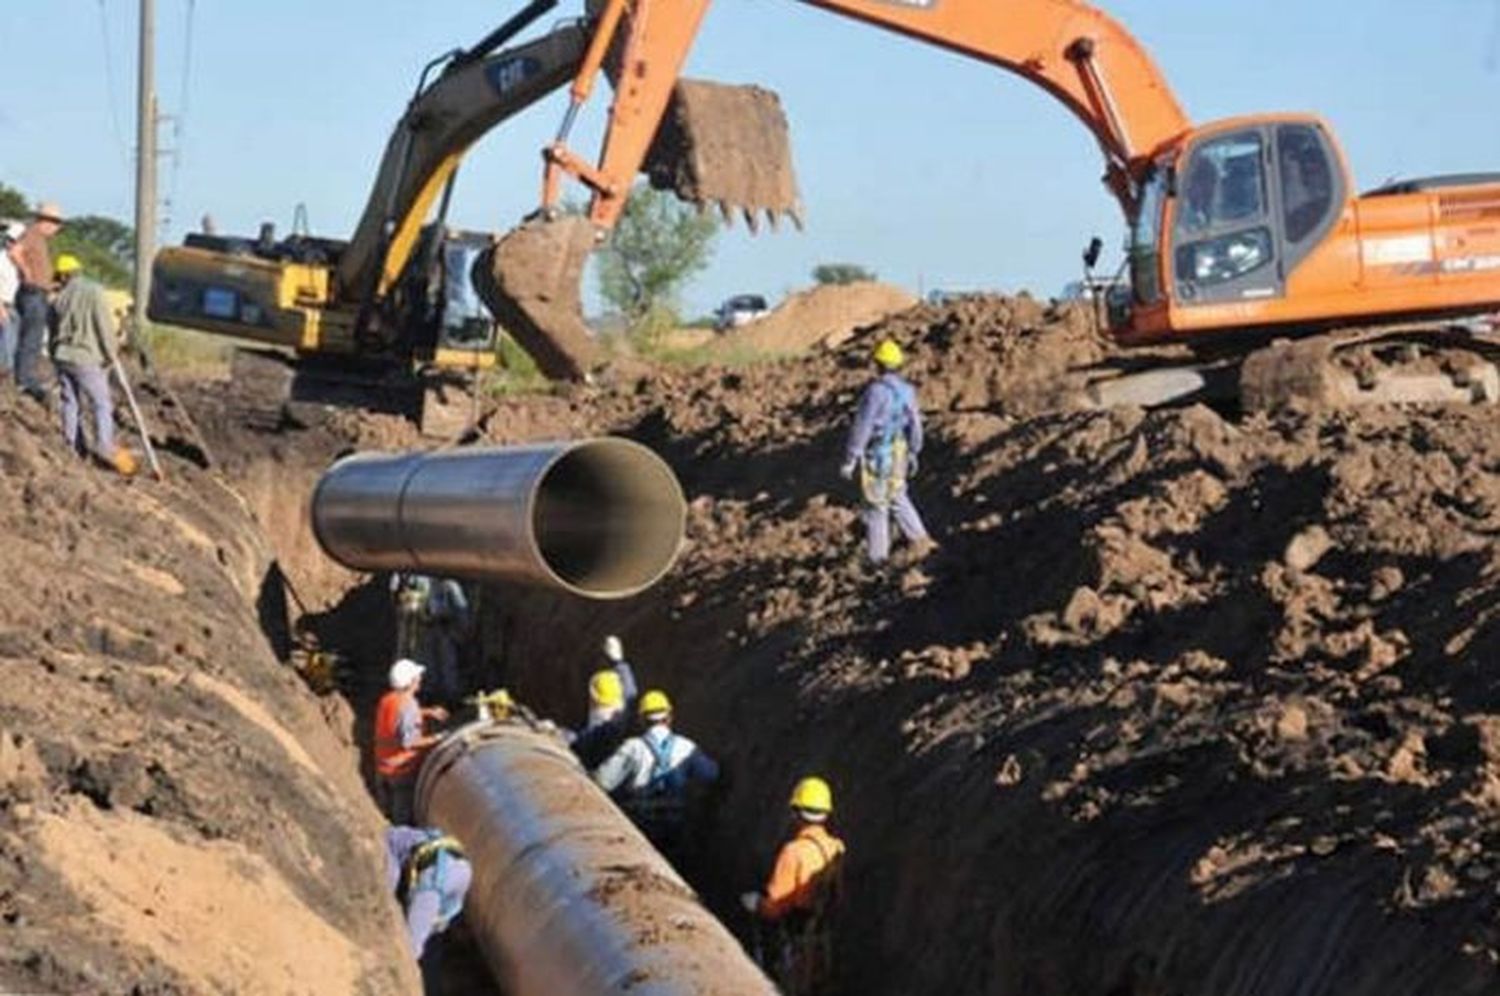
point(1307, 180)
point(1145, 238)
point(1222, 236)
point(1223, 184)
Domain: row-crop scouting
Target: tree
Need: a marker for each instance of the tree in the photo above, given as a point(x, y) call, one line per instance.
point(841, 273)
point(106, 247)
point(658, 243)
point(13, 204)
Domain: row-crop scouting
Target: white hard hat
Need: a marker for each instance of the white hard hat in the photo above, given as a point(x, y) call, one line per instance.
point(405, 672)
point(613, 649)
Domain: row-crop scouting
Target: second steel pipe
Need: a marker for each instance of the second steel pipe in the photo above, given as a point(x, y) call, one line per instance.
point(601, 518)
point(568, 898)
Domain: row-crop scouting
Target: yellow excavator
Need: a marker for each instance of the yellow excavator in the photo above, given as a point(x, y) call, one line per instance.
point(378, 319)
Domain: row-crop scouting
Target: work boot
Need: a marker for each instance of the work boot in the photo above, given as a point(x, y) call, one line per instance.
point(914, 552)
point(124, 462)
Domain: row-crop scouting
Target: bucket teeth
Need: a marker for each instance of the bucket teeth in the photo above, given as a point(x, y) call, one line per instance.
point(730, 146)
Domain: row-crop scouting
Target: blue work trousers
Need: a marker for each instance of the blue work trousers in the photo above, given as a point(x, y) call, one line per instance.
point(31, 302)
point(424, 908)
point(10, 327)
point(75, 381)
point(878, 525)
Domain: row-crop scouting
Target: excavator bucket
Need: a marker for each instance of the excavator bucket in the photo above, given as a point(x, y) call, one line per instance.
point(728, 147)
point(718, 146)
point(530, 281)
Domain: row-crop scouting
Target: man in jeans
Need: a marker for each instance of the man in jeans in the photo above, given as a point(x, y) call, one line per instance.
point(10, 283)
point(34, 259)
point(83, 345)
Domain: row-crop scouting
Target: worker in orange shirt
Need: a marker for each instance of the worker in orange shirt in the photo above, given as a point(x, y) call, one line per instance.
point(800, 895)
point(401, 741)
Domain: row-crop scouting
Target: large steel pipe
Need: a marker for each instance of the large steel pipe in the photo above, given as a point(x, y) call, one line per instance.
point(568, 898)
point(599, 517)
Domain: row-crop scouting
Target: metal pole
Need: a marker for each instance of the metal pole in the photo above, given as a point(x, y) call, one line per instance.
point(145, 165)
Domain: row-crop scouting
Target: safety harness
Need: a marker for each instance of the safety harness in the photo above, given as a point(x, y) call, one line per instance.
point(426, 869)
point(883, 464)
point(662, 798)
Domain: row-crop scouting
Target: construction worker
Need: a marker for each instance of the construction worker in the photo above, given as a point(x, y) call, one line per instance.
point(652, 774)
point(34, 259)
point(800, 894)
point(883, 446)
point(83, 346)
point(432, 618)
point(429, 875)
point(608, 715)
point(614, 660)
point(400, 739)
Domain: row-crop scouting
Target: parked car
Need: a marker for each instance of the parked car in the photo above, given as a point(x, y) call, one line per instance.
point(742, 309)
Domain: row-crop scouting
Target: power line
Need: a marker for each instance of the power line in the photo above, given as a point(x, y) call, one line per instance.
point(110, 91)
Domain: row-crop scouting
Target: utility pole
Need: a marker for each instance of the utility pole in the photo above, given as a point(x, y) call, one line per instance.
point(145, 164)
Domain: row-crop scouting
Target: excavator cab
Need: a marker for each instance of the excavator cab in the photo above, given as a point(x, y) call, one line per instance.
point(438, 308)
point(1226, 219)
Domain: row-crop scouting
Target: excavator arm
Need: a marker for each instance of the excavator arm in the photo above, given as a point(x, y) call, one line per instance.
point(442, 121)
point(1075, 52)
point(729, 145)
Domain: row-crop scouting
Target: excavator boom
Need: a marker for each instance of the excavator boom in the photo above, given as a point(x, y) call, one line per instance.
point(728, 146)
point(1249, 225)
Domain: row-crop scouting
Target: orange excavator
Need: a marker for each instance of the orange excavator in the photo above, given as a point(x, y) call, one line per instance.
point(1246, 239)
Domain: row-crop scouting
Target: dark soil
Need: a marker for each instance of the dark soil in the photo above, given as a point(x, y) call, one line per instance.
point(1182, 705)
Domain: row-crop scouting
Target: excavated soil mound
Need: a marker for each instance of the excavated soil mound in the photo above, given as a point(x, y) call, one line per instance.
point(177, 813)
point(821, 315)
point(1182, 705)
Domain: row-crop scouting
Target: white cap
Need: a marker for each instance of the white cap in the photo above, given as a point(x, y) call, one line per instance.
point(13, 230)
point(405, 672)
point(613, 649)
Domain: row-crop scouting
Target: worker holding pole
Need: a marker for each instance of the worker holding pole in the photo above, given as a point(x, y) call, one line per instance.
point(83, 343)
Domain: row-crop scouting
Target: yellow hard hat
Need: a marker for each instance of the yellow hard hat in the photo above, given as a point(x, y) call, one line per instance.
point(68, 263)
point(606, 690)
point(814, 795)
point(889, 355)
point(655, 703)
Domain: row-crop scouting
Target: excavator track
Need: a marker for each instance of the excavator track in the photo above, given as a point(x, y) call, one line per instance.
point(1417, 364)
point(1436, 365)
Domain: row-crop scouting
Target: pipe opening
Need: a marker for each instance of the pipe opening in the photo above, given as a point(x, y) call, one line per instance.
point(608, 518)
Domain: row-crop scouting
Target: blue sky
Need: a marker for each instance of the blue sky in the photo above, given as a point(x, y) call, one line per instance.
point(932, 170)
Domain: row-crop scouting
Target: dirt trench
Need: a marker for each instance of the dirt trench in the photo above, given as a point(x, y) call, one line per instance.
point(1185, 704)
point(179, 814)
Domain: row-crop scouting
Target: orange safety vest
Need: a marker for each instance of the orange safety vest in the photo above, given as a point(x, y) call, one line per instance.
point(802, 872)
point(391, 759)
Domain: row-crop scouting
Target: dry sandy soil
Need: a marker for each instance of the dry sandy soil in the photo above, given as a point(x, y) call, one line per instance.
point(179, 815)
point(819, 315)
